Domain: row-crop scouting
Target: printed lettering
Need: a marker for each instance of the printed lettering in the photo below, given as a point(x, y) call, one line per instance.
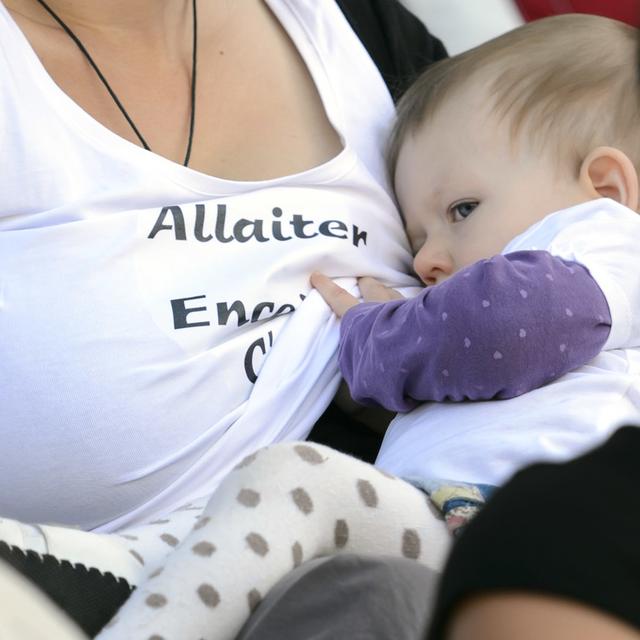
point(199, 226)
point(299, 223)
point(256, 232)
point(249, 366)
point(277, 226)
point(284, 309)
point(177, 226)
point(224, 311)
point(326, 229)
point(181, 311)
point(244, 230)
point(358, 236)
point(220, 219)
point(259, 308)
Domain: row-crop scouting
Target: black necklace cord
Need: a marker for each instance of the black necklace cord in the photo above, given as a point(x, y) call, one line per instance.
point(112, 92)
point(194, 60)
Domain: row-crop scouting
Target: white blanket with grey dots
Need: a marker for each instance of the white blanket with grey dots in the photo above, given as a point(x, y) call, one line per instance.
point(203, 569)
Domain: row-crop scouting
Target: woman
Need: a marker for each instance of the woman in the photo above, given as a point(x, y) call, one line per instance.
point(140, 296)
point(554, 554)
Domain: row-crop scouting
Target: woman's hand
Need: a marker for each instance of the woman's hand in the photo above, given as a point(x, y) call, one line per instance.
point(341, 301)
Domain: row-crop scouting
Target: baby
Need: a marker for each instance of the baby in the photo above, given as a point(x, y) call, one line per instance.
point(515, 167)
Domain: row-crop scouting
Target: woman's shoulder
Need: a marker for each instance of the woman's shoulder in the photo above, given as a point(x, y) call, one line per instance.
point(397, 41)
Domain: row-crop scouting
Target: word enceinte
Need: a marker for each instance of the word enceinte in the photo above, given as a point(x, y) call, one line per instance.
point(207, 226)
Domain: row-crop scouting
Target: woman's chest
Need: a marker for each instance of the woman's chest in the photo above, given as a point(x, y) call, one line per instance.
point(257, 112)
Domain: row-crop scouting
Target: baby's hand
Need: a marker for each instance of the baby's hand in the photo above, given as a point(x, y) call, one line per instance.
point(341, 301)
point(373, 290)
point(335, 296)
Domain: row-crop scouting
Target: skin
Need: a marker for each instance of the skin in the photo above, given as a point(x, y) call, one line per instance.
point(258, 114)
point(466, 189)
point(268, 121)
point(481, 193)
point(531, 617)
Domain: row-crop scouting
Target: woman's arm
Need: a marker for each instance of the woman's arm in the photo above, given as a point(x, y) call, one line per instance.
point(558, 544)
point(496, 329)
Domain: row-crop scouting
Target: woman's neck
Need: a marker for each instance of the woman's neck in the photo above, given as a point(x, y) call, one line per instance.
point(133, 15)
point(147, 24)
point(152, 24)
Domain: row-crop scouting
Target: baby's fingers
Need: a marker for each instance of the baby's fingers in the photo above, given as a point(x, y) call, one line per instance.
point(374, 291)
point(335, 296)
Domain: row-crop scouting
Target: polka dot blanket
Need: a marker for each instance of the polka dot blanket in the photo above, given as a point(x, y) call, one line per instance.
point(200, 571)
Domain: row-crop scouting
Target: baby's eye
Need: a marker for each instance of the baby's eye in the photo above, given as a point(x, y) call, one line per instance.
point(461, 210)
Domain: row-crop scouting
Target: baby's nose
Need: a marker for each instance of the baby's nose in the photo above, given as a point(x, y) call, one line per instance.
point(432, 264)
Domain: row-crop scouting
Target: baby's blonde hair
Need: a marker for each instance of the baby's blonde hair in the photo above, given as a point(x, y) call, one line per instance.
point(567, 83)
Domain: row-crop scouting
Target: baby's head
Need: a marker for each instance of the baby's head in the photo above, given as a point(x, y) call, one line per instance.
point(491, 141)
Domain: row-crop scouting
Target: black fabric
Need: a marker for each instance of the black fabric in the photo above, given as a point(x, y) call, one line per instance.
point(338, 430)
point(396, 40)
point(569, 530)
point(89, 597)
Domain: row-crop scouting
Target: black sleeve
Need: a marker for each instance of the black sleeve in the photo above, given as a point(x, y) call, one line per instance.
point(569, 530)
point(397, 41)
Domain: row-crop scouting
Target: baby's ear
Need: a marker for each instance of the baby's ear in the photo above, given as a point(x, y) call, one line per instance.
point(609, 173)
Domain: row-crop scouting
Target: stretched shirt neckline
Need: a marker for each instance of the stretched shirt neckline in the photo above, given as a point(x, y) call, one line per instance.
point(108, 141)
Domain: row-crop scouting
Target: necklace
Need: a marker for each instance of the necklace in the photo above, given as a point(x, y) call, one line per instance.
point(115, 97)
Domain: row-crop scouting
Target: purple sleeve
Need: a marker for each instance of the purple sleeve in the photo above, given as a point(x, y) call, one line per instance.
point(494, 330)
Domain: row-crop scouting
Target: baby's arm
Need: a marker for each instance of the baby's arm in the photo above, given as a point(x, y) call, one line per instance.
point(496, 329)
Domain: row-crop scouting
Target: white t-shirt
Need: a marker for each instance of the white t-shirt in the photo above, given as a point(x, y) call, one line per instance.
point(486, 442)
point(139, 298)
